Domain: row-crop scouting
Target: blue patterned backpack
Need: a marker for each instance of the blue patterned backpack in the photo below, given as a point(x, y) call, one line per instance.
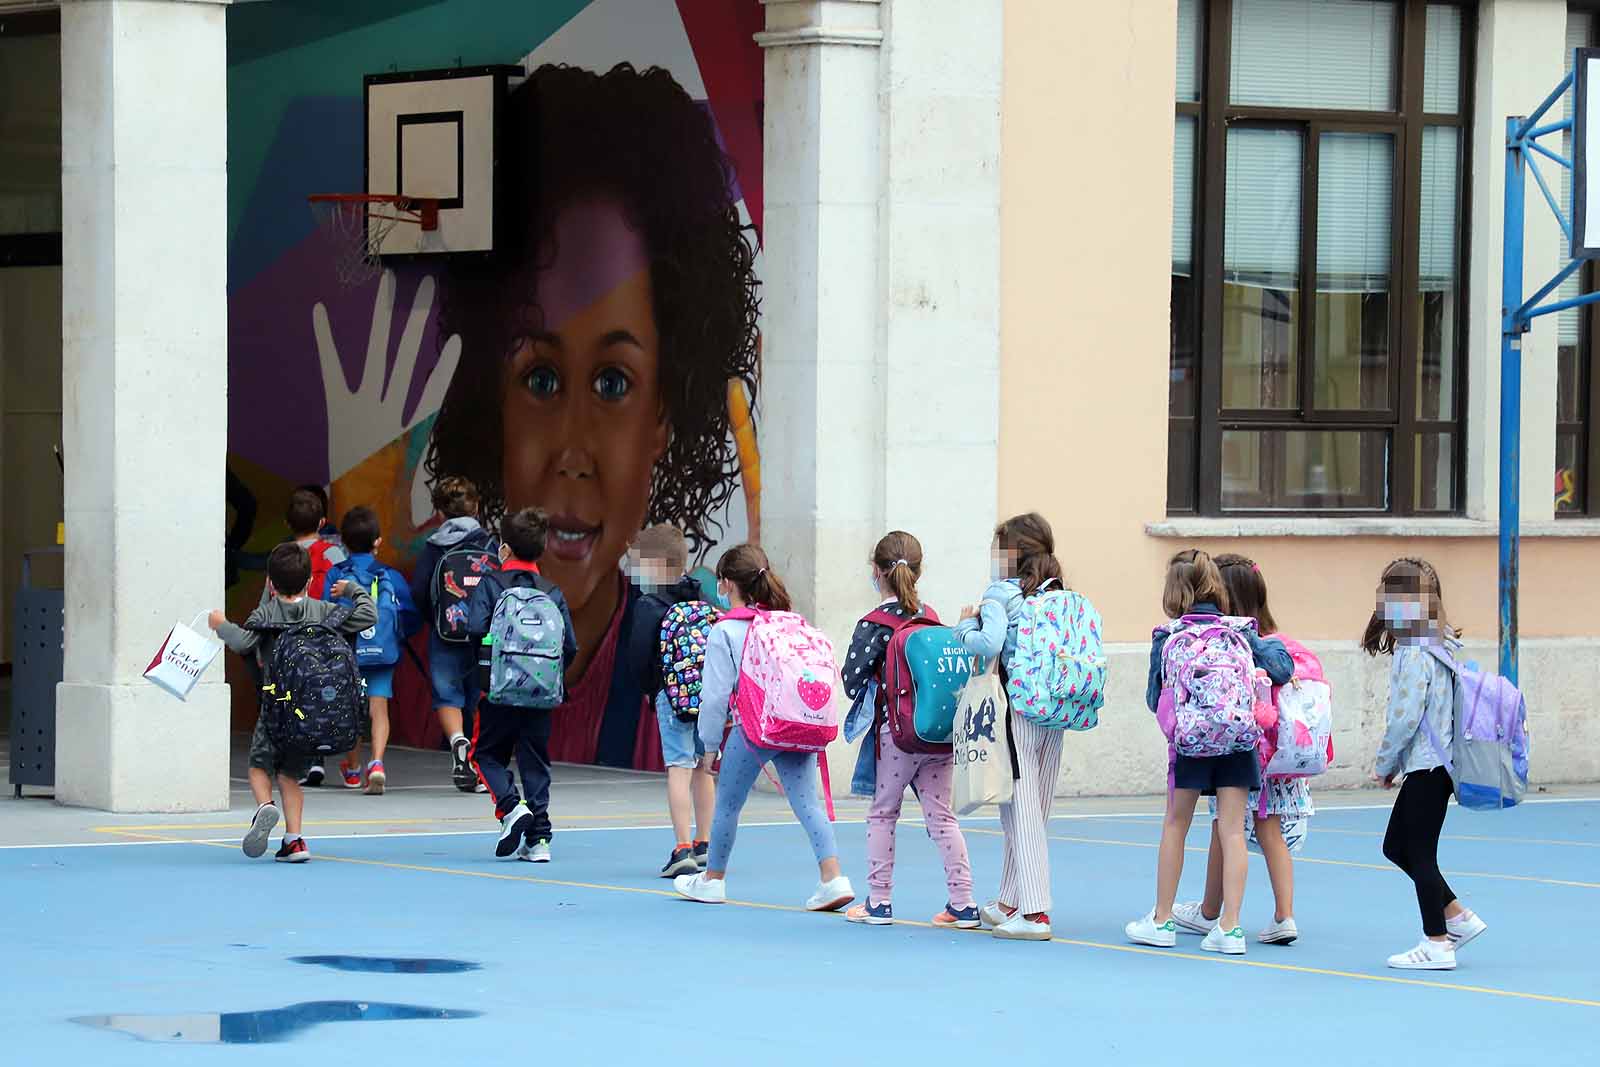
point(1057, 675)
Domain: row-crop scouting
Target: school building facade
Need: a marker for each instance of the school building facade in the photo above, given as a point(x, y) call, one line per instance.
point(1171, 272)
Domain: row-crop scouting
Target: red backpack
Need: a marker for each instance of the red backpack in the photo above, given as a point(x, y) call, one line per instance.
point(320, 566)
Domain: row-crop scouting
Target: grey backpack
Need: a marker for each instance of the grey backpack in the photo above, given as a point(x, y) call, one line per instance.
point(527, 637)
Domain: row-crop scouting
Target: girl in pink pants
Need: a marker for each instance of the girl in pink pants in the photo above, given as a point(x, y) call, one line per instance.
point(896, 566)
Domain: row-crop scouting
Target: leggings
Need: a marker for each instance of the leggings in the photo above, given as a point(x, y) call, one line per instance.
point(929, 774)
point(1412, 842)
point(797, 771)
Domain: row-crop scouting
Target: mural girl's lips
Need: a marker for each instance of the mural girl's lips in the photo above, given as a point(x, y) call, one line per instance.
point(572, 539)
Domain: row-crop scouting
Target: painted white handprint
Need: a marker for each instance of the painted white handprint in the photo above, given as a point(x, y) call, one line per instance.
point(363, 420)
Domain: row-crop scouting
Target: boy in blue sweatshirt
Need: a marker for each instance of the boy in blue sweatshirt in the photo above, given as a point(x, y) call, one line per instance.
point(397, 621)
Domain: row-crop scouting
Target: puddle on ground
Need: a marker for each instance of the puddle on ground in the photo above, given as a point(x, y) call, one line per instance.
point(388, 964)
point(261, 1027)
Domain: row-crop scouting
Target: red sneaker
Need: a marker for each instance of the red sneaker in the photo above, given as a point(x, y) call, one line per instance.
point(293, 853)
point(351, 774)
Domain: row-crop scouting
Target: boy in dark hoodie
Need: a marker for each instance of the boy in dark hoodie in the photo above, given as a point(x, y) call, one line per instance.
point(452, 666)
point(288, 575)
point(503, 730)
point(658, 560)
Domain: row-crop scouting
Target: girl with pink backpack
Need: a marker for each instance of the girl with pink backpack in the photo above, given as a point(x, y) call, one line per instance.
point(777, 675)
point(1283, 804)
point(1202, 691)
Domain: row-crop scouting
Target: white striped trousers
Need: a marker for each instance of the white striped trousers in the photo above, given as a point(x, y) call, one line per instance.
point(1025, 869)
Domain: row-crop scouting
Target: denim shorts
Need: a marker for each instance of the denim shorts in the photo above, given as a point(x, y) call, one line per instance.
point(380, 681)
point(452, 674)
point(680, 741)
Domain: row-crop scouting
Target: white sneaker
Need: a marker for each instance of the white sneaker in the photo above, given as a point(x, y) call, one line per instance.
point(993, 915)
point(1021, 928)
point(513, 828)
point(1427, 956)
point(538, 852)
point(1191, 919)
point(1280, 933)
point(1464, 929)
point(1147, 931)
point(1228, 942)
point(831, 896)
point(699, 887)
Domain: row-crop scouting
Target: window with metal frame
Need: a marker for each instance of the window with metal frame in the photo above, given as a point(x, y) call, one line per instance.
point(1577, 463)
point(1318, 319)
point(30, 138)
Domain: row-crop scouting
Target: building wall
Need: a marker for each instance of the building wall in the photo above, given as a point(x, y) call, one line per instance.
point(1086, 224)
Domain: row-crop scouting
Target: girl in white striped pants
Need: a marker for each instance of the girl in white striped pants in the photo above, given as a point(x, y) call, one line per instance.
point(1024, 564)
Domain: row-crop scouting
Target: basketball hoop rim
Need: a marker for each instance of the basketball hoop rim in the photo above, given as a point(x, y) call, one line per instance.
point(420, 211)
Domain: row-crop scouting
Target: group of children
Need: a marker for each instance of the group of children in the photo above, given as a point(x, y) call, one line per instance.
point(712, 765)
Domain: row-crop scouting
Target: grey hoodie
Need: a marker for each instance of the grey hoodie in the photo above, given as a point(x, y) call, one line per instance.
point(448, 536)
point(280, 613)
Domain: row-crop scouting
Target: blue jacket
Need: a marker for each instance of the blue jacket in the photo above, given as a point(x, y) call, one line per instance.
point(1268, 653)
point(994, 631)
point(486, 594)
point(409, 620)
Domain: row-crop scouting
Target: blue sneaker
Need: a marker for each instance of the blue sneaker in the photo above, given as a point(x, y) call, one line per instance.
point(955, 918)
point(871, 914)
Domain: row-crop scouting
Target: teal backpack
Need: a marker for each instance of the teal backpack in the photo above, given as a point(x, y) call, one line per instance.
point(1057, 676)
point(924, 670)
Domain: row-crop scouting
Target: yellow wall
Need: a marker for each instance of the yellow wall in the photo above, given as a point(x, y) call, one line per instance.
point(1085, 270)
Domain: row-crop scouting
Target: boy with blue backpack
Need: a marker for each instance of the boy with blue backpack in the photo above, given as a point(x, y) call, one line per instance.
point(667, 652)
point(520, 622)
point(378, 646)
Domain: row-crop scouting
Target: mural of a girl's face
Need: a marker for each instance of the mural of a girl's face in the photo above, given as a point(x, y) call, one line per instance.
point(581, 410)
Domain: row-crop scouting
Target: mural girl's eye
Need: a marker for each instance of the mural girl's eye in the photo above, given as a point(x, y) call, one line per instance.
point(542, 381)
point(611, 384)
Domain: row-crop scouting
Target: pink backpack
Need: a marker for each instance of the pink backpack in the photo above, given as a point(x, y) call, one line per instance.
point(788, 681)
point(1208, 692)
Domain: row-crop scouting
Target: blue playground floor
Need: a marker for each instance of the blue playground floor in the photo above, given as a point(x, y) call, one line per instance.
point(589, 960)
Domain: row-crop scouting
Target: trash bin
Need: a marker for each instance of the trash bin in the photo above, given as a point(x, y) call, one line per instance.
point(36, 670)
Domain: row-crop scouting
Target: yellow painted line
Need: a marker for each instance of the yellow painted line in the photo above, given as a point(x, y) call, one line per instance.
point(1138, 950)
point(1311, 859)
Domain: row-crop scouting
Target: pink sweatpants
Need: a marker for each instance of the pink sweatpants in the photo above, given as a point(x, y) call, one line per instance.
point(931, 775)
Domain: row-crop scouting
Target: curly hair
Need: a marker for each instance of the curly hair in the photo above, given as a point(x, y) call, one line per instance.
point(636, 135)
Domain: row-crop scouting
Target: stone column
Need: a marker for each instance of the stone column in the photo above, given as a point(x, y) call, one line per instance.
point(1519, 60)
point(144, 331)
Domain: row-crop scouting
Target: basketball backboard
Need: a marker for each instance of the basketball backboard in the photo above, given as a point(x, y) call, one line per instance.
point(432, 133)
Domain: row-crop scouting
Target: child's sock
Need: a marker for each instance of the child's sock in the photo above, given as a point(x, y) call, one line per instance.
point(700, 841)
point(457, 736)
point(683, 844)
point(290, 839)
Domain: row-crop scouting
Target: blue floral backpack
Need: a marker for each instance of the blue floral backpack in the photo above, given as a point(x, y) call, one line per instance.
point(1057, 676)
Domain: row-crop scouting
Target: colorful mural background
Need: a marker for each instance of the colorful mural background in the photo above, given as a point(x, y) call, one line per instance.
point(342, 386)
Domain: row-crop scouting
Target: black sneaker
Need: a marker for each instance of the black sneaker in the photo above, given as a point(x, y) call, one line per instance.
point(293, 853)
point(461, 771)
point(681, 861)
point(314, 775)
point(701, 850)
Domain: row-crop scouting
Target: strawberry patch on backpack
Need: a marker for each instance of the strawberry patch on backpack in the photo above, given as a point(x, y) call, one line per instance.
point(814, 694)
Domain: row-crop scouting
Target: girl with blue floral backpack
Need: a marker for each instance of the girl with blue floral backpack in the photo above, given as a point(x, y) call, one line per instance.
point(1202, 691)
point(1410, 625)
point(1025, 576)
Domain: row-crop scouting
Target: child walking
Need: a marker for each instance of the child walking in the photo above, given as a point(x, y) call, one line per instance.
point(288, 604)
point(397, 616)
point(1288, 800)
point(1024, 564)
point(658, 558)
point(1410, 624)
point(305, 514)
point(746, 580)
point(896, 565)
point(519, 695)
point(1196, 602)
point(452, 661)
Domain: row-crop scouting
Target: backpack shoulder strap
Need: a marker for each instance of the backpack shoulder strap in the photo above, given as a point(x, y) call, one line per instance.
point(884, 617)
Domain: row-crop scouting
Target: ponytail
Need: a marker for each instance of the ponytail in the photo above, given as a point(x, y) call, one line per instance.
point(1032, 541)
point(748, 568)
point(898, 558)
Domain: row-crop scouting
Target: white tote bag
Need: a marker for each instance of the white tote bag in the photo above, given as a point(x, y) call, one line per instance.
point(982, 757)
point(183, 657)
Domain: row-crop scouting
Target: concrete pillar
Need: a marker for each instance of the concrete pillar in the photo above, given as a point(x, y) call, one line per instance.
point(144, 331)
point(822, 399)
point(1519, 60)
point(939, 268)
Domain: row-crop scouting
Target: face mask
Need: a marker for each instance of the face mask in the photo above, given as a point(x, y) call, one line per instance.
point(877, 590)
point(1397, 612)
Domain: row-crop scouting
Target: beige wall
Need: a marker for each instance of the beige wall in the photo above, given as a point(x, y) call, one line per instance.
point(1085, 268)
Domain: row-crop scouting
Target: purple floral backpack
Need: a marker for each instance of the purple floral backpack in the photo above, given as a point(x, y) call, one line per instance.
point(1207, 704)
